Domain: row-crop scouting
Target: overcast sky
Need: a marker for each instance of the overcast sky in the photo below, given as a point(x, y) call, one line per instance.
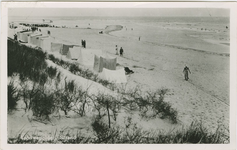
point(192, 12)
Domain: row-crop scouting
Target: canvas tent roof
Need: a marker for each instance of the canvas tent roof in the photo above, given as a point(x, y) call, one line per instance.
point(115, 76)
point(74, 53)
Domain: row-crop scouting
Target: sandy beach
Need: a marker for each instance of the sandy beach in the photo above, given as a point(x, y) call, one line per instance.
point(157, 60)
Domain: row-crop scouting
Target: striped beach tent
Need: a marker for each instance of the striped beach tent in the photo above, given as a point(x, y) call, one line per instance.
point(87, 56)
point(101, 62)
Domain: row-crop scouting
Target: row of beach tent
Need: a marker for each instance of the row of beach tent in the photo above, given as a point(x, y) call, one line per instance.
point(100, 61)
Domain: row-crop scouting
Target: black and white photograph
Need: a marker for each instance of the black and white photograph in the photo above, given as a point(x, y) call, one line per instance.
point(118, 75)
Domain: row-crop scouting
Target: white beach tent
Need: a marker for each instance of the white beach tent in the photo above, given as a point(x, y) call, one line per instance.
point(32, 40)
point(45, 43)
point(38, 41)
point(74, 53)
point(24, 36)
point(115, 76)
point(20, 37)
point(87, 56)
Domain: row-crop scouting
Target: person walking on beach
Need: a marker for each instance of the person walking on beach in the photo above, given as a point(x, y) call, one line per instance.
point(139, 38)
point(121, 51)
point(116, 49)
point(185, 71)
point(84, 43)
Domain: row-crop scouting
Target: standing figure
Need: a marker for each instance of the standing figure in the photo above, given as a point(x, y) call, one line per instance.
point(121, 51)
point(139, 38)
point(15, 37)
point(84, 43)
point(185, 71)
point(116, 49)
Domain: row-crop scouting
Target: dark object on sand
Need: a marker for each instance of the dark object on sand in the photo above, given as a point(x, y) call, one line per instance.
point(128, 71)
point(101, 32)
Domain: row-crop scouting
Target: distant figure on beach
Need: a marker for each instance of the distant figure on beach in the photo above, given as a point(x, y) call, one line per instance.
point(48, 32)
point(226, 27)
point(82, 43)
point(139, 38)
point(121, 51)
point(15, 37)
point(185, 71)
point(116, 49)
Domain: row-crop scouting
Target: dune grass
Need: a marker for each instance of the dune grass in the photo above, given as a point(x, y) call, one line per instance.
point(196, 133)
point(39, 73)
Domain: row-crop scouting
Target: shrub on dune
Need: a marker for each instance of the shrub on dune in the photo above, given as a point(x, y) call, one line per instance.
point(13, 97)
point(52, 71)
point(106, 103)
point(73, 68)
point(196, 133)
point(43, 104)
